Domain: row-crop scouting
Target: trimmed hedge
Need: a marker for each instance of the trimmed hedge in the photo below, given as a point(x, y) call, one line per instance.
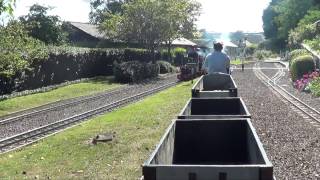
point(296, 53)
point(68, 64)
point(300, 66)
point(165, 67)
point(135, 71)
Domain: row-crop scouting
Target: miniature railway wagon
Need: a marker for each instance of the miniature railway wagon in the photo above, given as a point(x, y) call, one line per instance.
point(214, 108)
point(215, 85)
point(225, 149)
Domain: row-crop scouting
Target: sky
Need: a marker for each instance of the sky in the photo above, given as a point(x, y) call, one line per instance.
point(216, 15)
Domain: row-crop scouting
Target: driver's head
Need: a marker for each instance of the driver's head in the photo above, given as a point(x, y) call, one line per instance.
point(218, 46)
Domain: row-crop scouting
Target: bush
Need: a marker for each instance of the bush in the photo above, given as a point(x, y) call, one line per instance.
point(315, 87)
point(296, 53)
point(134, 71)
point(301, 65)
point(179, 54)
point(165, 67)
point(262, 54)
point(250, 50)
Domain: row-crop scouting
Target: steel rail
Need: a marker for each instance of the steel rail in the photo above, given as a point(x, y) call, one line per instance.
point(302, 106)
point(31, 136)
point(16, 116)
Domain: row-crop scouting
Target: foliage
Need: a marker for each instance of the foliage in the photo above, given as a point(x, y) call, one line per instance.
point(179, 55)
point(134, 71)
point(300, 66)
point(102, 10)
point(301, 33)
point(311, 17)
point(262, 54)
point(314, 44)
point(18, 50)
point(296, 53)
point(251, 49)
point(165, 67)
point(237, 36)
point(315, 86)
point(70, 63)
point(42, 26)
point(7, 6)
point(306, 82)
point(152, 22)
point(282, 16)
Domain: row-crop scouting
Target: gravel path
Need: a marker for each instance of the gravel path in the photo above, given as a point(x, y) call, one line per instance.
point(291, 143)
point(42, 119)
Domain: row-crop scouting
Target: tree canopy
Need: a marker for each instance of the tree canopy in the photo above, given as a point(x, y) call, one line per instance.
point(283, 16)
point(18, 50)
point(103, 9)
point(6, 6)
point(42, 26)
point(152, 22)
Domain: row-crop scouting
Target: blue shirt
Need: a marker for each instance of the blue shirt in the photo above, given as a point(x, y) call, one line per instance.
point(217, 62)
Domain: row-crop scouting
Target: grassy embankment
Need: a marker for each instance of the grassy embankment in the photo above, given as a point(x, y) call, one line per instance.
point(70, 155)
point(93, 86)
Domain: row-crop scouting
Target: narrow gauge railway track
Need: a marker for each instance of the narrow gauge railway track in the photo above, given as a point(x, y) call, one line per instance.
point(287, 96)
point(16, 116)
point(26, 138)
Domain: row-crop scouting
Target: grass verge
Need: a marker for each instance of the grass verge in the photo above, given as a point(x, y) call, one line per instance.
point(70, 155)
point(238, 62)
point(93, 86)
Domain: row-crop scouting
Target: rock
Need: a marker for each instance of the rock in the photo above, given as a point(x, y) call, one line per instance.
point(103, 138)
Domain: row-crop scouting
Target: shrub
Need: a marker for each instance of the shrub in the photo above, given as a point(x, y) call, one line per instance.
point(296, 53)
point(165, 67)
point(179, 54)
point(250, 50)
point(301, 65)
point(262, 54)
point(315, 86)
point(134, 71)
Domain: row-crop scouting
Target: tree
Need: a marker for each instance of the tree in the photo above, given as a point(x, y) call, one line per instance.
point(103, 9)
point(152, 22)
point(237, 36)
point(42, 26)
point(7, 6)
point(18, 50)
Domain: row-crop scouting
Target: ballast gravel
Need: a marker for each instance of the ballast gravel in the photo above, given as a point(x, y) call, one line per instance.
point(42, 119)
point(291, 142)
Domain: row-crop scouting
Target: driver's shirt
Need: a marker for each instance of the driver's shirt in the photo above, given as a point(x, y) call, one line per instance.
point(217, 62)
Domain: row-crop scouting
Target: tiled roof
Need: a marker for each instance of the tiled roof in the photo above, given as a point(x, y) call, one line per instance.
point(90, 29)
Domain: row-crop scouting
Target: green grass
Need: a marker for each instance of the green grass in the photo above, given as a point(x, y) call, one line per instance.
point(95, 85)
point(69, 155)
point(238, 62)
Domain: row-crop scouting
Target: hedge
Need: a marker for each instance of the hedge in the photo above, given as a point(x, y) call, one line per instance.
point(69, 63)
point(165, 67)
point(296, 53)
point(135, 71)
point(301, 65)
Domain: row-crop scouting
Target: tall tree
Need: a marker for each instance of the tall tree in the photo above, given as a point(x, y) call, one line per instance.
point(42, 26)
point(6, 6)
point(237, 36)
point(152, 22)
point(103, 9)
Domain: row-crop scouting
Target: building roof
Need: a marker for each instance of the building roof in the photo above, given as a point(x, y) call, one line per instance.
point(90, 29)
point(183, 42)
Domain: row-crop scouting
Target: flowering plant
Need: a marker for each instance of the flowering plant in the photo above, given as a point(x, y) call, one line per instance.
point(302, 84)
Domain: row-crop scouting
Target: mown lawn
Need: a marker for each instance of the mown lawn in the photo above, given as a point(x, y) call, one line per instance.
point(93, 86)
point(70, 155)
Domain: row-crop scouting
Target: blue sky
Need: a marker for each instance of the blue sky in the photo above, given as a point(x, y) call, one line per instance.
point(217, 15)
